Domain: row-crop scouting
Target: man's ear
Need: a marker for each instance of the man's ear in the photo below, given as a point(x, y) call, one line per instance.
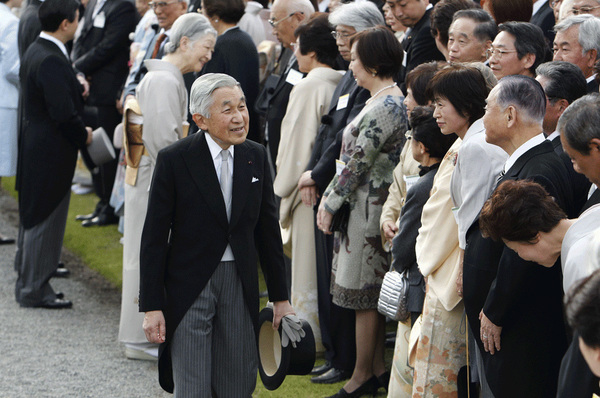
point(563, 103)
point(594, 146)
point(592, 57)
point(64, 25)
point(511, 116)
point(528, 60)
point(200, 121)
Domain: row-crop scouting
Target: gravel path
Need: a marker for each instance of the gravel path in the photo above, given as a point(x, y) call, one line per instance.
point(65, 353)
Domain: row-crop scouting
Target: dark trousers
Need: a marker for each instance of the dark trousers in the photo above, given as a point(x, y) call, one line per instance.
point(337, 323)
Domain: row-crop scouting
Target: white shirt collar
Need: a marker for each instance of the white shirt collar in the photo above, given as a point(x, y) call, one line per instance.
point(54, 40)
point(512, 159)
point(215, 150)
point(537, 5)
point(553, 136)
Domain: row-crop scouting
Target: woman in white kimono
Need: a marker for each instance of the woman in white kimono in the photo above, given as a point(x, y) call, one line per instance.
point(316, 52)
point(163, 101)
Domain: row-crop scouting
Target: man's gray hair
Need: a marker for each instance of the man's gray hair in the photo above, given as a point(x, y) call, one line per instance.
point(589, 31)
point(580, 122)
point(303, 6)
point(524, 93)
point(194, 26)
point(361, 15)
point(201, 93)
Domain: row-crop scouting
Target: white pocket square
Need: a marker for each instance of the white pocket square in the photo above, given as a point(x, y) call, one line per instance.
point(254, 179)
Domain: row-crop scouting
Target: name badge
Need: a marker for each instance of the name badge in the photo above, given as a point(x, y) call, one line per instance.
point(339, 166)
point(100, 20)
point(410, 181)
point(293, 77)
point(342, 102)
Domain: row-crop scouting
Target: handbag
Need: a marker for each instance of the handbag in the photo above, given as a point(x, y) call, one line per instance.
point(393, 297)
point(339, 222)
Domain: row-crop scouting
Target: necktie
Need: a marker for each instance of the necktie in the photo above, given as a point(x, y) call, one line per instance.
point(226, 185)
point(159, 41)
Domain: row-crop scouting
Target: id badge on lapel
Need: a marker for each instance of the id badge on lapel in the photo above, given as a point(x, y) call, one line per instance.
point(100, 20)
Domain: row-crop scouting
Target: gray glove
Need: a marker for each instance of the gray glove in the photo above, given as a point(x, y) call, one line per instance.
point(292, 330)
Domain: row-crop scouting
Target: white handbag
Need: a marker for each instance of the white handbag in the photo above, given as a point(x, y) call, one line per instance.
point(393, 296)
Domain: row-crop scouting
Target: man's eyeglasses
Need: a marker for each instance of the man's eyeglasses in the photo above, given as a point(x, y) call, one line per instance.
point(490, 52)
point(555, 3)
point(341, 35)
point(160, 4)
point(274, 23)
point(583, 10)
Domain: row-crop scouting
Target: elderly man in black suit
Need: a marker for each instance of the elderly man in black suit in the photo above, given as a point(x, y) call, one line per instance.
point(52, 132)
point(100, 54)
point(211, 209)
point(418, 43)
point(514, 307)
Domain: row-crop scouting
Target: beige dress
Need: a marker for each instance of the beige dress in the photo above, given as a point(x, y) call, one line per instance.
point(163, 100)
point(309, 100)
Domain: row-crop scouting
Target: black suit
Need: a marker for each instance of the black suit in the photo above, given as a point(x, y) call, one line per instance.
point(235, 55)
point(101, 53)
point(522, 297)
point(420, 45)
point(186, 232)
point(579, 182)
point(29, 26)
point(544, 18)
point(592, 87)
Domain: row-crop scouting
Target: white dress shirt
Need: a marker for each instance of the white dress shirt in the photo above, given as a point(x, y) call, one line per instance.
point(537, 140)
point(54, 40)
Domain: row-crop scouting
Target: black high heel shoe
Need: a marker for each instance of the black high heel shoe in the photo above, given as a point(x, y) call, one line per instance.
point(367, 388)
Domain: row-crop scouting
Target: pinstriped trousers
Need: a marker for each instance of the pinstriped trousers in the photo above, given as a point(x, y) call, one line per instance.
point(38, 254)
point(213, 349)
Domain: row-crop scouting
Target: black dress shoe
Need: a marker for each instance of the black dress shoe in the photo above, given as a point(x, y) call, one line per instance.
point(60, 295)
point(319, 370)
point(101, 220)
point(6, 241)
point(56, 304)
point(84, 217)
point(333, 375)
point(369, 387)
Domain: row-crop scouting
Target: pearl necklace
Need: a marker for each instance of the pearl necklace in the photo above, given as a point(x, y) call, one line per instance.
point(379, 92)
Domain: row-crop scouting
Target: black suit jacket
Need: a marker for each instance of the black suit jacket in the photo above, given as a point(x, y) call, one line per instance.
point(523, 297)
point(420, 45)
point(592, 87)
point(51, 131)
point(278, 101)
point(235, 55)
point(327, 148)
point(102, 53)
point(29, 26)
point(186, 232)
point(581, 185)
point(544, 18)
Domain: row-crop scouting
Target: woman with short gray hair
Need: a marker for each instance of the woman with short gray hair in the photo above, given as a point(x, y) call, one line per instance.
point(162, 99)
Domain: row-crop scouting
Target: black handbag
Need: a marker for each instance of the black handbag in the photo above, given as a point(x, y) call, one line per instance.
point(339, 222)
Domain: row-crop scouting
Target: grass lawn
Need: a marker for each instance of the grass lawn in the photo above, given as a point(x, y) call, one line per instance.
point(99, 248)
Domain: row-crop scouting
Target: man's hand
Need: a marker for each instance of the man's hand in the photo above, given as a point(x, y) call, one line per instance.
point(389, 230)
point(280, 309)
point(90, 136)
point(324, 219)
point(85, 84)
point(490, 334)
point(154, 326)
point(309, 195)
point(306, 180)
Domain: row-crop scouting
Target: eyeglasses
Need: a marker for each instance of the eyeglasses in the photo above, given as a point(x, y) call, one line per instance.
point(555, 3)
point(274, 23)
point(583, 10)
point(490, 52)
point(160, 4)
point(341, 35)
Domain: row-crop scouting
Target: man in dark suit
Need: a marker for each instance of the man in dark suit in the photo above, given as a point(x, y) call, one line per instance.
point(563, 83)
point(211, 209)
point(514, 307)
point(100, 54)
point(578, 41)
point(29, 26)
point(543, 16)
point(418, 44)
point(52, 132)
point(580, 136)
point(337, 323)
point(286, 15)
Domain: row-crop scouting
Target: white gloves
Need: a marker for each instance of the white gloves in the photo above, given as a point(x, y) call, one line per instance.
point(292, 330)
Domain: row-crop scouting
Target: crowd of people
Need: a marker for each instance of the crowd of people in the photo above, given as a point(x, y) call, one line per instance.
point(330, 142)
